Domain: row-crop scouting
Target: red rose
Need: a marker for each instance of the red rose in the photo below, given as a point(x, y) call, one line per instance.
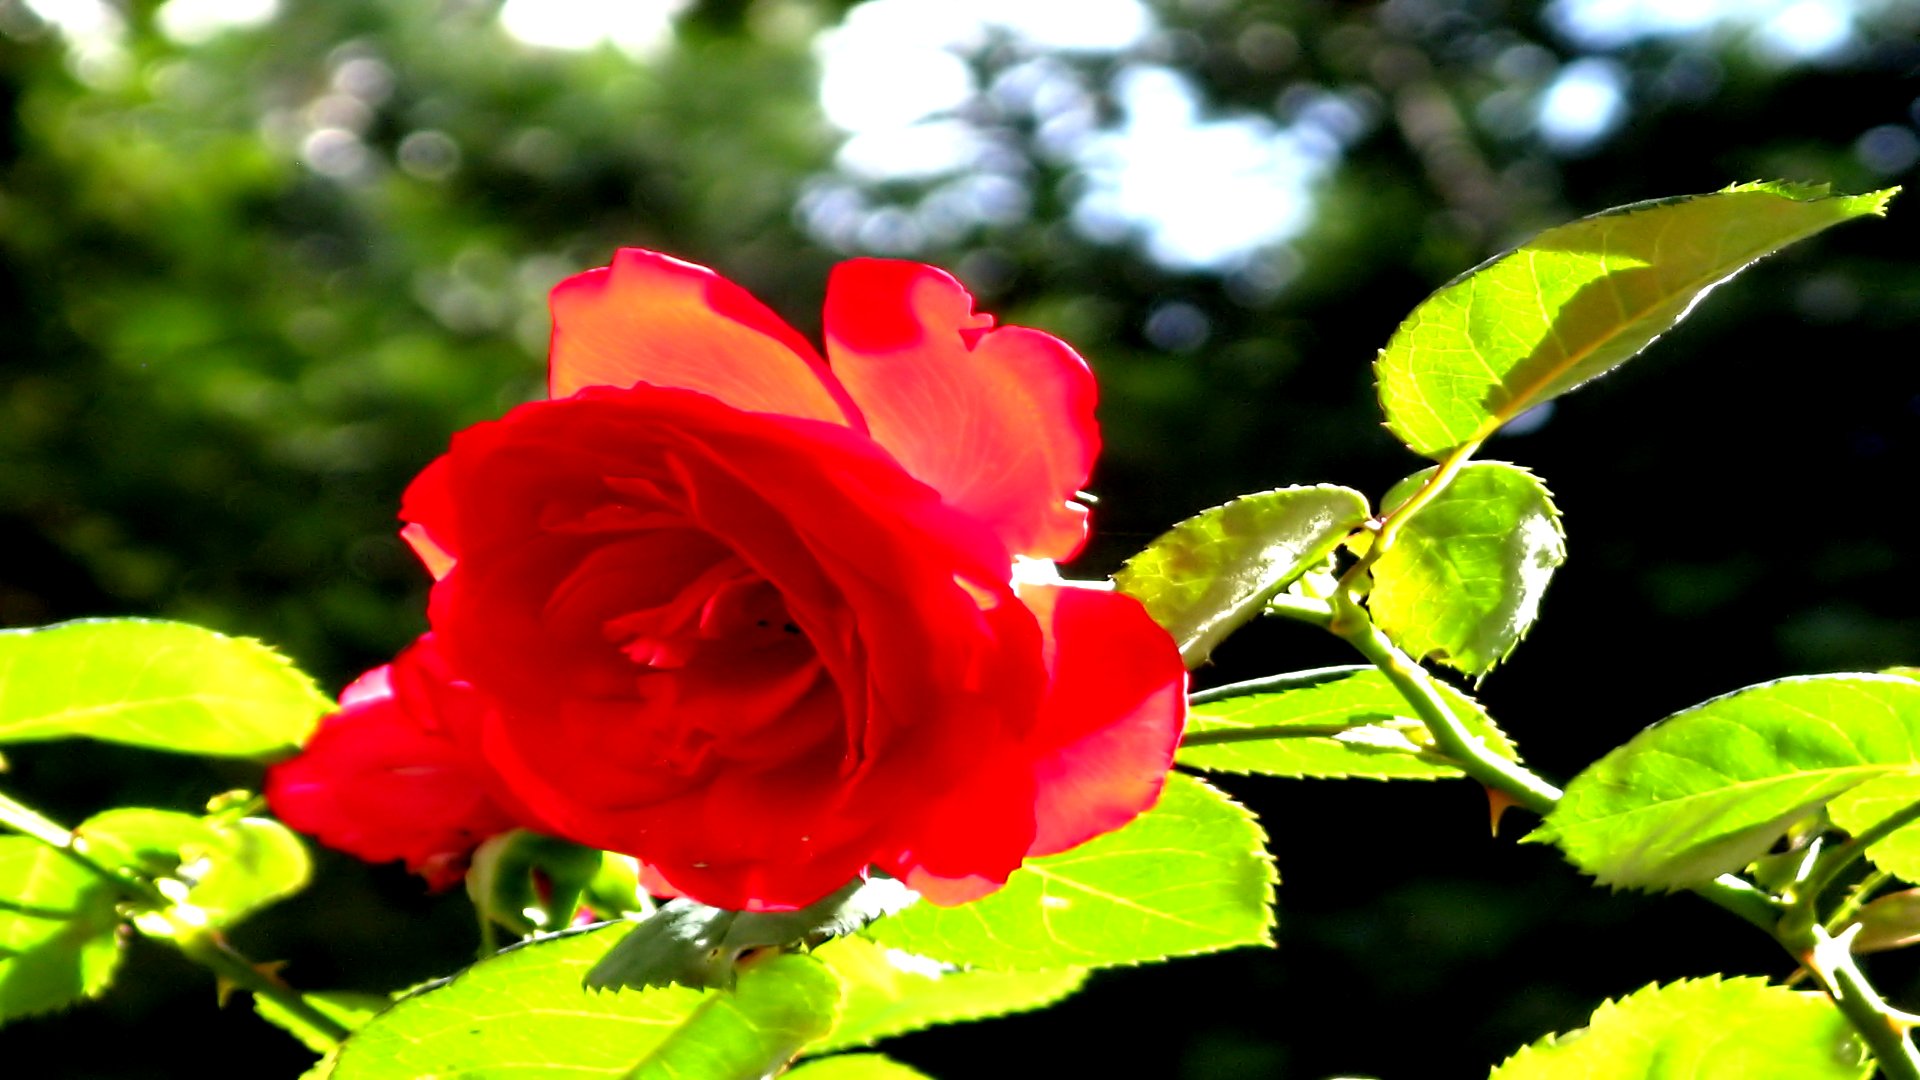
point(752, 619)
point(387, 778)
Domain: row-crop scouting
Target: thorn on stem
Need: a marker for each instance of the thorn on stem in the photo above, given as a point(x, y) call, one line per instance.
point(1498, 803)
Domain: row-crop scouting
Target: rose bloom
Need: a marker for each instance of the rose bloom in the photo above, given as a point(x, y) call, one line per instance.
point(766, 621)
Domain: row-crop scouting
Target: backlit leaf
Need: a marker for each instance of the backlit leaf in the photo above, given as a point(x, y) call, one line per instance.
point(232, 866)
point(1216, 570)
point(1579, 300)
point(349, 1009)
point(1463, 580)
point(854, 1067)
point(1869, 804)
point(1701, 1029)
point(1190, 876)
point(691, 944)
point(59, 933)
point(1379, 736)
point(522, 1013)
point(1708, 790)
point(781, 1002)
point(160, 685)
point(889, 992)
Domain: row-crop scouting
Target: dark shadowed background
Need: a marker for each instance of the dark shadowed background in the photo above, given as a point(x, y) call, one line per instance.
point(259, 260)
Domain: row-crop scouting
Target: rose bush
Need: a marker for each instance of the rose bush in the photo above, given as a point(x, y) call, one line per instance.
point(751, 615)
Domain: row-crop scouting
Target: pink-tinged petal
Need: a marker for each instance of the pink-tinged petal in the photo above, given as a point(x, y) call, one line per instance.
point(653, 319)
point(1000, 422)
point(1112, 718)
point(436, 559)
point(384, 779)
point(375, 685)
point(950, 892)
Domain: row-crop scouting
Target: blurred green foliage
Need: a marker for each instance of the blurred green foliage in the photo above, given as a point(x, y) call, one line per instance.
point(252, 279)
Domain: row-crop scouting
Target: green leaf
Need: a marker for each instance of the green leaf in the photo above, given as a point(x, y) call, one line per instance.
point(782, 1002)
point(350, 1009)
point(1579, 300)
point(59, 933)
point(889, 992)
point(1336, 722)
point(1216, 570)
point(1708, 790)
point(690, 944)
point(1189, 876)
point(1463, 580)
point(258, 862)
point(232, 867)
point(159, 685)
point(502, 880)
point(855, 1067)
point(1869, 804)
point(1702, 1029)
point(521, 1013)
point(1888, 922)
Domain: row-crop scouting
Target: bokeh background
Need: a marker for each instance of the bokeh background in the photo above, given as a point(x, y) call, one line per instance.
point(259, 258)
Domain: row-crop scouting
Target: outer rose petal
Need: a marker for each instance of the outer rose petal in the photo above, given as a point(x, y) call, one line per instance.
point(434, 557)
point(1114, 711)
point(653, 319)
point(970, 840)
point(999, 421)
point(1113, 715)
point(382, 778)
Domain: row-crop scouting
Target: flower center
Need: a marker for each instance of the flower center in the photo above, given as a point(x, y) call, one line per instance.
point(727, 608)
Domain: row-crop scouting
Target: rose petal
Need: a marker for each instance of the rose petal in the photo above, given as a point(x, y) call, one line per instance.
point(653, 319)
point(1113, 715)
point(384, 778)
point(438, 560)
point(1097, 759)
point(967, 843)
point(999, 421)
point(744, 838)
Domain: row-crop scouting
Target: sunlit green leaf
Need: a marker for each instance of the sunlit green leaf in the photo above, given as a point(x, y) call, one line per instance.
point(59, 933)
point(1346, 721)
point(1872, 802)
point(690, 944)
point(482, 1022)
point(781, 1002)
point(232, 867)
point(1710, 789)
point(1577, 301)
point(1190, 876)
point(889, 993)
point(1216, 570)
point(160, 685)
point(1701, 1029)
point(350, 1010)
point(854, 1067)
point(614, 890)
point(1462, 582)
